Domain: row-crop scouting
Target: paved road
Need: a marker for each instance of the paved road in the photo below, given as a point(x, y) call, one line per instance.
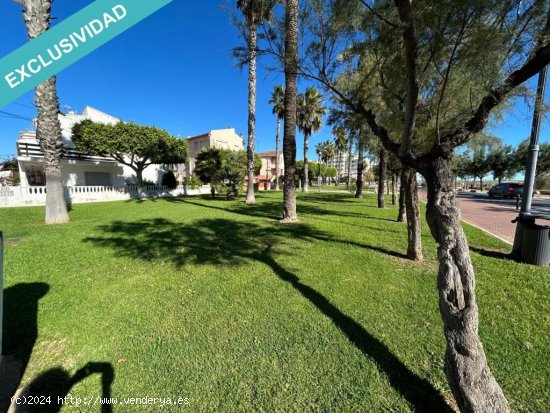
point(495, 215)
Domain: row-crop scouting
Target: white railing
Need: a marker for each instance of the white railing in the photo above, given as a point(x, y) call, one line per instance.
point(14, 196)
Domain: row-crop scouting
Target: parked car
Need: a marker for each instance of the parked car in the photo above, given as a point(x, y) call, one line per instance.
point(506, 190)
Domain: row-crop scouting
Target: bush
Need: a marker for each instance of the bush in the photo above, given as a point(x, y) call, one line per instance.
point(192, 182)
point(169, 180)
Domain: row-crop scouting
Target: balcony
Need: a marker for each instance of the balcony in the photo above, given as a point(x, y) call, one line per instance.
point(34, 150)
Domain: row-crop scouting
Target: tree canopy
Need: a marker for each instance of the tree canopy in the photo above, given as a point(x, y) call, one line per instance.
point(130, 144)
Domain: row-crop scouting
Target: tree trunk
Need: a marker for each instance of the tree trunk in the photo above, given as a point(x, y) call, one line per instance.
point(305, 184)
point(350, 154)
point(360, 168)
point(139, 181)
point(289, 138)
point(481, 183)
point(277, 166)
point(393, 188)
point(319, 177)
point(339, 170)
point(252, 40)
point(382, 170)
point(48, 132)
point(470, 379)
point(414, 229)
point(401, 216)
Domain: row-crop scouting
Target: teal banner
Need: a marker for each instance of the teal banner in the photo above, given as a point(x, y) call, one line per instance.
point(69, 41)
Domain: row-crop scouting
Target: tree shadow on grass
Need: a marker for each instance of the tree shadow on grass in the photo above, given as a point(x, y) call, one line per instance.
point(272, 209)
point(20, 333)
point(232, 243)
point(491, 253)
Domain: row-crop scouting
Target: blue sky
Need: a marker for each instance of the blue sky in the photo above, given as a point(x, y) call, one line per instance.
point(174, 70)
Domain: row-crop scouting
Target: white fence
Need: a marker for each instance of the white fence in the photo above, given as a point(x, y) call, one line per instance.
point(16, 196)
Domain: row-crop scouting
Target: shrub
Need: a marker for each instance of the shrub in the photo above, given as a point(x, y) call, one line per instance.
point(192, 182)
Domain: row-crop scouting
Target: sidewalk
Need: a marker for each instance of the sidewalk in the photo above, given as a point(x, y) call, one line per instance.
point(491, 218)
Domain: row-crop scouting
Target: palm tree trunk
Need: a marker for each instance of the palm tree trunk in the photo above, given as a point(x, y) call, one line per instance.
point(305, 185)
point(339, 170)
point(252, 45)
point(289, 138)
point(37, 16)
point(48, 132)
point(277, 166)
point(471, 381)
point(382, 170)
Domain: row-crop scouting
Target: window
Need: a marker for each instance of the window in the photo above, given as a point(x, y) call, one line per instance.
point(36, 177)
point(97, 178)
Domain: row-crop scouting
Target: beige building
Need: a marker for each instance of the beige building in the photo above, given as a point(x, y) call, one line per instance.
point(220, 138)
point(266, 178)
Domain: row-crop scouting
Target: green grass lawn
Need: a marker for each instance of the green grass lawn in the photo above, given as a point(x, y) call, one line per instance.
point(214, 301)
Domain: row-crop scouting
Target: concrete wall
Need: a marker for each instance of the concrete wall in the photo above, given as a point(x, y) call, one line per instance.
point(36, 196)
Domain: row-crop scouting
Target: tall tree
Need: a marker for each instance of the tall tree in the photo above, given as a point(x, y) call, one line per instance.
point(255, 12)
point(311, 110)
point(437, 78)
point(543, 164)
point(289, 139)
point(278, 102)
point(37, 16)
point(360, 164)
point(502, 163)
point(394, 169)
point(382, 171)
point(414, 229)
point(341, 143)
point(479, 148)
point(347, 124)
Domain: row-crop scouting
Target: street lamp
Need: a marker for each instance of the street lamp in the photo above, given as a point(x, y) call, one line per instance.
point(525, 215)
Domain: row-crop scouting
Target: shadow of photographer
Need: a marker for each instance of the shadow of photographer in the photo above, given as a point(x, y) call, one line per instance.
point(20, 320)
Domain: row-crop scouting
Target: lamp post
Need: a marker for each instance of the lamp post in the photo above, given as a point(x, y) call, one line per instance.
point(532, 158)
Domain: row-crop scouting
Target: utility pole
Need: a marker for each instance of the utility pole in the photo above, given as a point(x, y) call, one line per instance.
point(532, 158)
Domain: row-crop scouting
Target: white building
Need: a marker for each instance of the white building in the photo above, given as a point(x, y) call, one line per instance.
point(77, 169)
point(341, 161)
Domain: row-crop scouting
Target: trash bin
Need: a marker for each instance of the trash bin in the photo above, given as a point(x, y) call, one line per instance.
point(535, 248)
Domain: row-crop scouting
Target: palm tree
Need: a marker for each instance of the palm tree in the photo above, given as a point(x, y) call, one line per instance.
point(289, 139)
point(278, 102)
point(341, 141)
point(37, 16)
point(320, 149)
point(330, 153)
point(255, 12)
point(310, 119)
